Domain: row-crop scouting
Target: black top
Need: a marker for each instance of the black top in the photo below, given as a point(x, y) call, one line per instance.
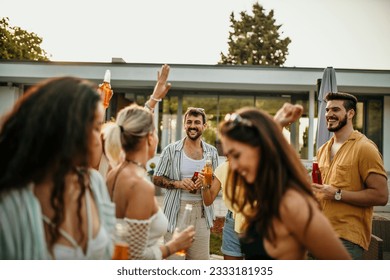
point(252, 245)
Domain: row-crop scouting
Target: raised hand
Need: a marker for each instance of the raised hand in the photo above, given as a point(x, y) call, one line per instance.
point(288, 114)
point(162, 87)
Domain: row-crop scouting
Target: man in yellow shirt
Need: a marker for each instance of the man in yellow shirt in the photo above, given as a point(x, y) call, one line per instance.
point(354, 178)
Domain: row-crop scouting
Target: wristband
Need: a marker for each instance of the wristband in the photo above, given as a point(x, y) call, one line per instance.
point(147, 106)
point(155, 99)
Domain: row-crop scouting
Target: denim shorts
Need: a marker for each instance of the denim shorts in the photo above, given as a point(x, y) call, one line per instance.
point(230, 240)
point(353, 249)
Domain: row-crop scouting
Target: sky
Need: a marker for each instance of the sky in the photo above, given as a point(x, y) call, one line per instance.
point(351, 34)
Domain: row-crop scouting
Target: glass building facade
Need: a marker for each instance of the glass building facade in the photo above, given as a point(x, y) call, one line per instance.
point(169, 116)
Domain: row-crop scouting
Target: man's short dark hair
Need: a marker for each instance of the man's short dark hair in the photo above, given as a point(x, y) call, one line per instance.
point(350, 100)
point(193, 111)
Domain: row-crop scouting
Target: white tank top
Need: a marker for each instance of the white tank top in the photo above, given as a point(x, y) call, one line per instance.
point(188, 167)
point(96, 247)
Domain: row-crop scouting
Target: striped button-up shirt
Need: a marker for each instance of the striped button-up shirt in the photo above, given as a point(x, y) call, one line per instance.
point(169, 166)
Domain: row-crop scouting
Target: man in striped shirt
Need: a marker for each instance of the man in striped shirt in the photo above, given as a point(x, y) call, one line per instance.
point(174, 172)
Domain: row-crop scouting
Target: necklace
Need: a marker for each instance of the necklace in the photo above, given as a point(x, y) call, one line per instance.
point(136, 163)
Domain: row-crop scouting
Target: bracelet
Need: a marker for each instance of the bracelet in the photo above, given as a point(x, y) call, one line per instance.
point(147, 106)
point(155, 99)
point(167, 249)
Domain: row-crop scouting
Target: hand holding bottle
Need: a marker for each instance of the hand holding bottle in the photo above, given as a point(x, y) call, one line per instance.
point(182, 240)
point(194, 179)
point(184, 233)
point(121, 248)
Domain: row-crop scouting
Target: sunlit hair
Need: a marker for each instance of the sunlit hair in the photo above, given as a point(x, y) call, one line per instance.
point(279, 169)
point(350, 100)
point(132, 124)
point(193, 111)
point(46, 135)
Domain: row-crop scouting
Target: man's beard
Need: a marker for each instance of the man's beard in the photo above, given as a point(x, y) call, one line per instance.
point(193, 137)
point(341, 124)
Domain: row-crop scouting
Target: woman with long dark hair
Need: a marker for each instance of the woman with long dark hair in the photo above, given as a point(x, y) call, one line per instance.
point(269, 186)
point(52, 205)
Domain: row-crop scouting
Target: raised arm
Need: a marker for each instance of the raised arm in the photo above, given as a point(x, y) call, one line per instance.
point(288, 114)
point(160, 89)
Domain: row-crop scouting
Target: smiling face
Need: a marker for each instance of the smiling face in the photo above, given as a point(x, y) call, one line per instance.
point(194, 126)
point(243, 158)
point(336, 115)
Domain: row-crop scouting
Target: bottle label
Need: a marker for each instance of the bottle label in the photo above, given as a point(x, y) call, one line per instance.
point(316, 174)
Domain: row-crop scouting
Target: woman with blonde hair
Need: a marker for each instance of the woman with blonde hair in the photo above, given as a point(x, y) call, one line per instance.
point(129, 143)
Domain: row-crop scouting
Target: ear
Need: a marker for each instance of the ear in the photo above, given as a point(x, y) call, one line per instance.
point(351, 113)
point(150, 138)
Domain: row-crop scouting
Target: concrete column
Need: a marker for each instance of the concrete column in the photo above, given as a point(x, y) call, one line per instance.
point(179, 117)
point(8, 97)
point(386, 132)
point(310, 141)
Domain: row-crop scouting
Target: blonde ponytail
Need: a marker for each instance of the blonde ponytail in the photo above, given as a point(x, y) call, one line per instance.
point(112, 143)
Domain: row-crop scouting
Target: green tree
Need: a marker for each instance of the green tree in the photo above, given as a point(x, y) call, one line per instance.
point(17, 43)
point(255, 40)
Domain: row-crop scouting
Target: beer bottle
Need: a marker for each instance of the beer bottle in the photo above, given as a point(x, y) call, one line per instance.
point(105, 89)
point(121, 249)
point(208, 171)
point(316, 173)
point(184, 223)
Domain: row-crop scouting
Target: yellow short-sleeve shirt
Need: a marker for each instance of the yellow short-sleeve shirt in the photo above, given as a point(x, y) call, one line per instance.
point(349, 169)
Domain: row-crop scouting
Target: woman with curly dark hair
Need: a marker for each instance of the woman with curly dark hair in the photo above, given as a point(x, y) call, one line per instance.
point(269, 186)
point(52, 205)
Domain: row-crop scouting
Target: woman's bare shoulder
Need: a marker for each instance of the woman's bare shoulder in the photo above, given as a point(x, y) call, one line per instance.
point(137, 184)
point(296, 204)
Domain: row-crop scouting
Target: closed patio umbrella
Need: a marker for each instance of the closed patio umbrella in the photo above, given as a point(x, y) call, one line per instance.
point(328, 84)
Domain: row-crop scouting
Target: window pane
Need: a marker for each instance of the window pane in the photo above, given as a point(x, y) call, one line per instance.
point(271, 104)
point(167, 122)
point(374, 122)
